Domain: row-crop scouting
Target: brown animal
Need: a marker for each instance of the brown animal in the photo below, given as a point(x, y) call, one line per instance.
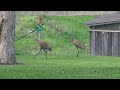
point(78, 44)
point(43, 45)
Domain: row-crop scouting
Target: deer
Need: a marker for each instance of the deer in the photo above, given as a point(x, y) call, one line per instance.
point(43, 45)
point(78, 44)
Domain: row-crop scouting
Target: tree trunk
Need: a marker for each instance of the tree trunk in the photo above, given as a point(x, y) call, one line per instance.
point(7, 37)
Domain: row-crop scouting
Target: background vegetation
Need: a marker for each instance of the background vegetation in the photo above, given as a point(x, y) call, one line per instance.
point(62, 62)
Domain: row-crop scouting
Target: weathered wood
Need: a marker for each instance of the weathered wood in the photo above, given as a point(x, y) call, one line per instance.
point(119, 44)
point(114, 44)
point(98, 44)
point(102, 44)
point(92, 43)
point(105, 42)
point(109, 27)
point(109, 44)
point(105, 30)
point(7, 45)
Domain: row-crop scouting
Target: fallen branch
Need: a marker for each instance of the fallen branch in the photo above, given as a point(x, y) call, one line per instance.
point(25, 35)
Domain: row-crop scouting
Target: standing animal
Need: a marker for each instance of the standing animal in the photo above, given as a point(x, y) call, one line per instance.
point(43, 45)
point(78, 44)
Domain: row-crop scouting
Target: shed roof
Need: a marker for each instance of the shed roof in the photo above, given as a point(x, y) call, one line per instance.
point(105, 19)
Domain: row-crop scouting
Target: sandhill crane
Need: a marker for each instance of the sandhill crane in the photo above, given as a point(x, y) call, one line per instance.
point(78, 44)
point(43, 45)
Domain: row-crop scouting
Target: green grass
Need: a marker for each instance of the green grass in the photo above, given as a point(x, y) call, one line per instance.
point(58, 39)
point(62, 67)
point(62, 62)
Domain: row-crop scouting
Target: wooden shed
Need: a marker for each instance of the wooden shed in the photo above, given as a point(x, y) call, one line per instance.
point(105, 35)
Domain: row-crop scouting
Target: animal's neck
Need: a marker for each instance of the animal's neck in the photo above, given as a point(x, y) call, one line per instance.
point(38, 40)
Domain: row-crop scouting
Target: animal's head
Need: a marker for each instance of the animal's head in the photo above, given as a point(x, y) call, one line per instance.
point(73, 35)
point(40, 21)
point(41, 24)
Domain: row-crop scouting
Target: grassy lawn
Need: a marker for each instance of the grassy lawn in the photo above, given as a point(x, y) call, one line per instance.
point(63, 67)
point(62, 62)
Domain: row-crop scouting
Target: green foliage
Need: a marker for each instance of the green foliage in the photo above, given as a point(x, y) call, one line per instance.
point(62, 62)
point(57, 32)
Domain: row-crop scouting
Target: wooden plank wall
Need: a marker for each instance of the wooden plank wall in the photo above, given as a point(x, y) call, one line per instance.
point(115, 44)
point(92, 43)
point(109, 44)
point(118, 43)
point(104, 43)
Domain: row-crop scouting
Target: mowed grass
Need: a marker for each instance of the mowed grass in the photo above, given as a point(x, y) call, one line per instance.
point(62, 62)
point(62, 67)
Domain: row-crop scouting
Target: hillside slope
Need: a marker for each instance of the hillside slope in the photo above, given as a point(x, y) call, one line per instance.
point(57, 31)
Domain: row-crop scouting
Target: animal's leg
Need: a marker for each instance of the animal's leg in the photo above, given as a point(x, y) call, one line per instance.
point(78, 52)
point(38, 52)
point(46, 53)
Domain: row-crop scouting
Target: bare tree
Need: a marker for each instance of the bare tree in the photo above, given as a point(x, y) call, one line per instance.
point(7, 37)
